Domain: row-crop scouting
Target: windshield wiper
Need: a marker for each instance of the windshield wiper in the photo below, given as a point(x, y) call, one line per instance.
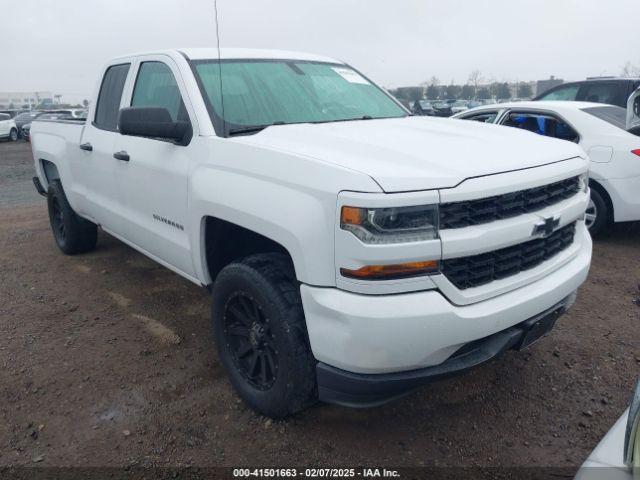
point(252, 129)
point(364, 117)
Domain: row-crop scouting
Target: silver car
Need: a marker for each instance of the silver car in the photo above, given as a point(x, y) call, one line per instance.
point(617, 456)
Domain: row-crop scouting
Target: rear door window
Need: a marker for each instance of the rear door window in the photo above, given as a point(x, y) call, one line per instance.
point(542, 124)
point(566, 92)
point(109, 97)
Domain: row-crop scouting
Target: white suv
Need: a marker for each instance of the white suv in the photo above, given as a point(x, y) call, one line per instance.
point(8, 127)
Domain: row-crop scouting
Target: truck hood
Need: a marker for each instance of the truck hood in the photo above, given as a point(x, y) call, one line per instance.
point(416, 153)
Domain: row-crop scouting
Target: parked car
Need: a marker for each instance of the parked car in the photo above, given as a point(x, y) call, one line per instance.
point(25, 118)
point(12, 112)
point(25, 132)
point(8, 129)
point(423, 107)
point(610, 90)
point(442, 109)
point(602, 131)
point(73, 112)
point(354, 252)
point(617, 456)
point(459, 106)
point(59, 115)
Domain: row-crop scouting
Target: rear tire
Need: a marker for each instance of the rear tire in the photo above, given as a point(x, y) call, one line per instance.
point(72, 233)
point(260, 332)
point(13, 135)
point(598, 215)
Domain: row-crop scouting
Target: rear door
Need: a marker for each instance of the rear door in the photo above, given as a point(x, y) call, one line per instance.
point(154, 180)
point(93, 166)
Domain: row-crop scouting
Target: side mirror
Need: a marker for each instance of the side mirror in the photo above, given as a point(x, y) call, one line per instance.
point(153, 122)
point(636, 106)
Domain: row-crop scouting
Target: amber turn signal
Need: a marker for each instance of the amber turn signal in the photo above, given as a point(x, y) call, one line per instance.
point(389, 272)
point(351, 216)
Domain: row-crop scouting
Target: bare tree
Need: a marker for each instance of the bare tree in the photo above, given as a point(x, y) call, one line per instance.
point(57, 97)
point(475, 79)
point(630, 70)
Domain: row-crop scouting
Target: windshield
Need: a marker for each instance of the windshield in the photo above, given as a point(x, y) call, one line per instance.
point(258, 93)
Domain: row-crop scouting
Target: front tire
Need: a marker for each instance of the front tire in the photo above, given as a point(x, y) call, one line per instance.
point(598, 214)
point(13, 135)
point(72, 233)
point(260, 332)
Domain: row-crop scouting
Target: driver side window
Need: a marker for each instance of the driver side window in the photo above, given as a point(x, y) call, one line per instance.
point(157, 87)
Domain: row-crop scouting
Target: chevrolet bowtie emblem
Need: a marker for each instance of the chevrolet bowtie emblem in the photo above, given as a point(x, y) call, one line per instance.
point(547, 228)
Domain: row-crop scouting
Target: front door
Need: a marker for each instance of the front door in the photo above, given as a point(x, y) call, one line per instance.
point(154, 177)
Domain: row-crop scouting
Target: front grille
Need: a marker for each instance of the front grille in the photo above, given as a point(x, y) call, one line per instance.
point(467, 272)
point(485, 210)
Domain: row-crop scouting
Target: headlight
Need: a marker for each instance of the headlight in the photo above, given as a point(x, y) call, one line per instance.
point(391, 225)
point(583, 182)
point(632, 434)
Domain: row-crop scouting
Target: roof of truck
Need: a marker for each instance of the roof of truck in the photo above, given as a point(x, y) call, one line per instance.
point(252, 53)
point(234, 53)
point(239, 53)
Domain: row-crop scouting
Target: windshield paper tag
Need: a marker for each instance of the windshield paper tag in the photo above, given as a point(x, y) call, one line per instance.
point(350, 76)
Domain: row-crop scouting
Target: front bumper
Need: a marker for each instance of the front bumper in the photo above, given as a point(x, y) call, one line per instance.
point(362, 390)
point(383, 334)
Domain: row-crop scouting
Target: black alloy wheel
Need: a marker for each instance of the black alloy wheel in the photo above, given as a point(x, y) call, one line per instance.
point(57, 221)
point(251, 341)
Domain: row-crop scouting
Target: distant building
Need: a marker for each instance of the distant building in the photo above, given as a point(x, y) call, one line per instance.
point(24, 100)
point(544, 85)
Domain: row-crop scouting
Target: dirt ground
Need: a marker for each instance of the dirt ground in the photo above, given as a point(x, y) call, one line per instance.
point(106, 359)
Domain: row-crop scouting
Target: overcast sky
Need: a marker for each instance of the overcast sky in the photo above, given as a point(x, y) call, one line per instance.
point(60, 45)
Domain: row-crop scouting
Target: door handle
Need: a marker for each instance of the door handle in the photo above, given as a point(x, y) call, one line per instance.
point(122, 155)
point(86, 146)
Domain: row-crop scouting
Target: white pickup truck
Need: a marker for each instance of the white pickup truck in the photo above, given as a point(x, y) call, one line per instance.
point(354, 253)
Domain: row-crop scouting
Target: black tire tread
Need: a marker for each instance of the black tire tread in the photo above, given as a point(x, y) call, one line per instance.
point(604, 218)
point(82, 235)
point(283, 290)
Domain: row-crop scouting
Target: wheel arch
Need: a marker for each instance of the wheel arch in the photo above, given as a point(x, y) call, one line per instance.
point(297, 218)
point(50, 172)
point(594, 184)
point(224, 242)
